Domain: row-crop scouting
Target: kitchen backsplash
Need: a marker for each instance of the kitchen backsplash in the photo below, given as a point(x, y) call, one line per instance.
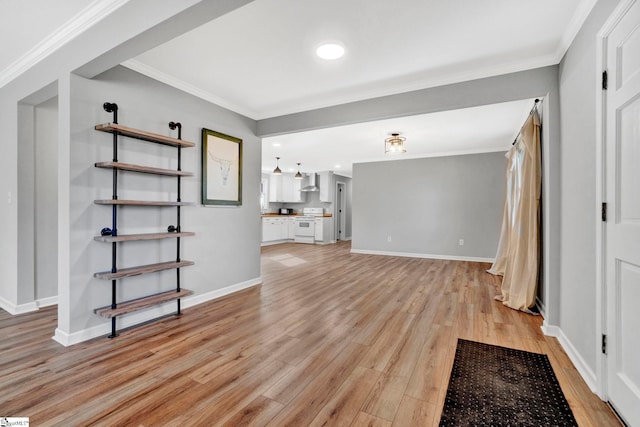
point(312, 201)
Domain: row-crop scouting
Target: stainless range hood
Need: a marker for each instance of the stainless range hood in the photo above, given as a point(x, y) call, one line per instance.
point(312, 184)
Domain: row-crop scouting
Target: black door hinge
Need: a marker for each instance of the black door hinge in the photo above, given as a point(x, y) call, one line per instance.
point(603, 213)
point(605, 80)
point(604, 344)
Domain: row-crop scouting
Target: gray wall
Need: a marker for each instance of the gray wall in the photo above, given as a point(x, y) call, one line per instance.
point(46, 199)
point(25, 202)
point(579, 77)
point(226, 248)
point(427, 205)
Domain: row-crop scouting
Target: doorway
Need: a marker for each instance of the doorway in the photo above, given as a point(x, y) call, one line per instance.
point(38, 201)
point(341, 210)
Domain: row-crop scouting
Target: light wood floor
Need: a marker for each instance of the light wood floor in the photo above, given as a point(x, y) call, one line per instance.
point(330, 338)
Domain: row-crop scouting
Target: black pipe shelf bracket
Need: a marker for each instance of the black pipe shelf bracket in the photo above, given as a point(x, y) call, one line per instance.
point(118, 308)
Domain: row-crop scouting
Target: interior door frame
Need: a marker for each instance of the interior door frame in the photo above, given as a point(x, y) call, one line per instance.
point(341, 217)
point(601, 194)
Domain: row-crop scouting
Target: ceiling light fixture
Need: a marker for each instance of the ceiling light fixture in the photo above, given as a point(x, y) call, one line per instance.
point(277, 170)
point(298, 175)
point(394, 144)
point(330, 51)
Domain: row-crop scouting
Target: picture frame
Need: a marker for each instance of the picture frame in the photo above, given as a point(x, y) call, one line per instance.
point(221, 169)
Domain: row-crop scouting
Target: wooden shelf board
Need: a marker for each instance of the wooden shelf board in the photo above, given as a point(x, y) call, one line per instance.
point(141, 269)
point(142, 169)
point(143, 135)
point(145, 236)
point(141, 303)
point(140, 203)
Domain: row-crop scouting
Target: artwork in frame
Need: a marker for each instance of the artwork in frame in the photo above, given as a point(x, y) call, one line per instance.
point(221, 169)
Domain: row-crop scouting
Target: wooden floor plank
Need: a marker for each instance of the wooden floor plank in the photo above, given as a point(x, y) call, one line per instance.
point(329, 338)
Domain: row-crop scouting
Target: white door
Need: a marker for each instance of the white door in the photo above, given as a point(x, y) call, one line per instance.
point(622, 230)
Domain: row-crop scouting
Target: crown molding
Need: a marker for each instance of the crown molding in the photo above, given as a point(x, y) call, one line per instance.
point(579, 17)
point(75, 26)
point(162, 77)
point(382, 89)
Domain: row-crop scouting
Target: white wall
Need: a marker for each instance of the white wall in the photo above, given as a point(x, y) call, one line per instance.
point(46, 200)
point(226, 248)
point(426, 205)
point(25, 200)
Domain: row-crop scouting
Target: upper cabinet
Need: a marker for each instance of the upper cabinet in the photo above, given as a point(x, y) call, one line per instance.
point(285, 189)
point(326, 189)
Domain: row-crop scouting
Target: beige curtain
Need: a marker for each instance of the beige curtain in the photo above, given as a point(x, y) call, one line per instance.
point(517, 257)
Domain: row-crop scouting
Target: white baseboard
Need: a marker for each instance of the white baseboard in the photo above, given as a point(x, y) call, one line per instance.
point(330, 242)
point(585, 372)
point(144, 316)
point(417, 255)
point(46, 302)
point(541, 307)
point(208, 296)
point(275, 242)
point(14, 309)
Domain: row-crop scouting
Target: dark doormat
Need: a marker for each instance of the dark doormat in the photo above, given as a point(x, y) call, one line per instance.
point(499, 386)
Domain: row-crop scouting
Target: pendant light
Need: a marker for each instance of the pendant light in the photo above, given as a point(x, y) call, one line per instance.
point(298, 175)
point(277, 170)
point(394, 144)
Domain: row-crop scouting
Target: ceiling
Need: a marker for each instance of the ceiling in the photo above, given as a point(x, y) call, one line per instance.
point(45, 17)
point(259, 60)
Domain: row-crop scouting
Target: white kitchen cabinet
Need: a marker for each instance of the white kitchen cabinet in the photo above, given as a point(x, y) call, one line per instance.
point(275, 188)
point(285, 189)
point(291, 229)
point(274, 228)
point(326, 190)
point(319, 224)
point(297, 196)
point(323, 230)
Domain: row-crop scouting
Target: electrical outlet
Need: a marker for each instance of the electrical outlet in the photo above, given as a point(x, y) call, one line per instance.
point(461, 242)
point(388, 238)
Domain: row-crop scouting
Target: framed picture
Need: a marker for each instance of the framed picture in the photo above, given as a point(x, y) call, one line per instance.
point(221, 169)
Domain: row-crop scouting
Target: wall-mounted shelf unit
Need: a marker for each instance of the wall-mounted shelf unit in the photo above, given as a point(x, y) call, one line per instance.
point(117, 308)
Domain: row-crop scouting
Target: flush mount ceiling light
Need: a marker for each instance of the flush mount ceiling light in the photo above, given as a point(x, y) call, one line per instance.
point(394, 144)
point(298, 175)
point(330, 51)
point(277, 170)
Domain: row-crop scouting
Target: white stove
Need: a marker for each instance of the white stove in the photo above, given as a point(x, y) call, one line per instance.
point(305, 225)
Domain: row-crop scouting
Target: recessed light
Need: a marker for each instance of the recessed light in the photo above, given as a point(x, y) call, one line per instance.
point(337, 166)
point(275, 144)
point(330, 51)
